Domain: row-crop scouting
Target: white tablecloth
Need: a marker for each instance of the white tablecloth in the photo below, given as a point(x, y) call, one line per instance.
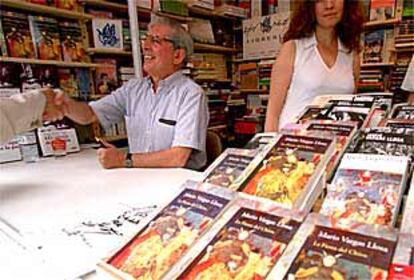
point(38, 200)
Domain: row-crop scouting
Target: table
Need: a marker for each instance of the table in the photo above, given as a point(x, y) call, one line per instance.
point(37, 200)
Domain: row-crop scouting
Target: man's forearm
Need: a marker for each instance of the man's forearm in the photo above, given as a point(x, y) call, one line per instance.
point(80, 112)
point(173, 157)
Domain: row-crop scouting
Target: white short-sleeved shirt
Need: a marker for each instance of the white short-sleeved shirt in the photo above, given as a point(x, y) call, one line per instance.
point(175, 116)
point(312, 77)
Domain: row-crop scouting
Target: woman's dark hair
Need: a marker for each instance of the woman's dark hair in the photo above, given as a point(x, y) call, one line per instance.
point(349, 29)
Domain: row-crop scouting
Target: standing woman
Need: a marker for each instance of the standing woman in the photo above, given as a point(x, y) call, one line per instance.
point(320, 55)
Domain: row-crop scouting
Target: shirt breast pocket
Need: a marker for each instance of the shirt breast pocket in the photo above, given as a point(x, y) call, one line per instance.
point(165, 130)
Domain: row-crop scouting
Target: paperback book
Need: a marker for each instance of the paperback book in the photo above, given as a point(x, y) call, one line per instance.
point(384, 141)
point(17, 34)
point(321, 250)
point(367, 189)
point(261, 140)
point(45, 33)
point(231, 168)
point(403, 112)
point(402, 267)
point(407, 225)
point(291, 171)
point(72, 44)
point(244, 244)
point(169, 234)
point(106, 79)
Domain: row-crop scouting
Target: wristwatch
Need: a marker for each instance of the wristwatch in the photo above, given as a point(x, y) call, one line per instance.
point(128, 161)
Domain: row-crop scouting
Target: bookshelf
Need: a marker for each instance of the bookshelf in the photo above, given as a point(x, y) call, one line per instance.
point(105, 4)
point(49, 62)
point(212, 48)
point(47, 10)
point(93, 51)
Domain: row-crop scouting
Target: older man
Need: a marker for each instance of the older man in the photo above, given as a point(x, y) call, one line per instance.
point(166, 113)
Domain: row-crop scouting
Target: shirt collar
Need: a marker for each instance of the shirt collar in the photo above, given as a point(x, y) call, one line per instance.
point(311, 41)
point(168, 81)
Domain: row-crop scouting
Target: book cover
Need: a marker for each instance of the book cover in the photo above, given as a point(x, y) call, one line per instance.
point(45, 33)
point(252, 239)
point(106, 79)
point(366, 189)
point(312, 113)
point(9, 75)
point(343, 131)
point(83, 77)
point(382, 10)
point(354, 111)
point(402, 267)
point(407, 224)
point(171, 232)
point(290, 172)
point(373, 45)
point(107, 33)
point(46, 75)
point(17, 34)
point(231, 168)
point(3, 46)
point(68, 82)
point(403, 112)
point(72, 5)
point(72, 44)
point(321, 250)
point(385, 141)
point(261, 140)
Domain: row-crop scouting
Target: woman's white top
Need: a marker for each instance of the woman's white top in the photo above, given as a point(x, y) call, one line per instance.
point(312, 77)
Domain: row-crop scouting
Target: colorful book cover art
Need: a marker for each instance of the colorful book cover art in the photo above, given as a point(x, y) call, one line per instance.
point(107, 33)
point(229, 169)
point(17, 34)
point(373, 45)
point(342, 132)
point(45, 33)
point(72, 5)
point(67, 82)
point(106, 79)
point(152, 252)
point(247, 247)
point(407, 225)
point(72, 44)
point(330, 253)
point(364, 196)
point(285, 171)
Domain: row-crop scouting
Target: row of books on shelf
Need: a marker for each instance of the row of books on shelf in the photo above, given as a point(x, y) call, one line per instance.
point(49, 39)
point(76, 82)
point(73, 5)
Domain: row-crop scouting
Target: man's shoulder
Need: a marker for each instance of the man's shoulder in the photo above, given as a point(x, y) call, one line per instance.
point(190, 86)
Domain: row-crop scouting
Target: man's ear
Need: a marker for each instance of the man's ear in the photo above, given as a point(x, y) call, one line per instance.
point(179, 55)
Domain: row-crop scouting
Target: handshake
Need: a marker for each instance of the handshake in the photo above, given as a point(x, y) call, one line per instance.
point(56, 104)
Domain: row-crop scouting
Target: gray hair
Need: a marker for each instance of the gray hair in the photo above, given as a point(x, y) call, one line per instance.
point(181, 39)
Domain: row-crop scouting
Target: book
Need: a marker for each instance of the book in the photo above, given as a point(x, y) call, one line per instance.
point(366, 189)
point(291, 171)
point(45, 35)
point(403, 112)
point(169, 234)
point(3, 46)
point(312, 113)
point(356, 111)
point(343, 131)
point(403, 262)
point(68, 82)
point(382, 10)
point(231, 168)
point(245, 243)
point(373, 45)
point(261, 140)
point(46, 75)
point(17, 34)
point(9, 75)
point(72, 5)
point(72, 43)
point(407, 224)
point(321, 250)
point(106, 79)
point(384, 141)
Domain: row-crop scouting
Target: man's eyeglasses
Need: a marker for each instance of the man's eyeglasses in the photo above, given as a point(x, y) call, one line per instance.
point(155, 40)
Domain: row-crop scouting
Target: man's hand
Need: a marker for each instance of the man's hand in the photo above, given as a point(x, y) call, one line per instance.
point(110, 157)
point(53, 110)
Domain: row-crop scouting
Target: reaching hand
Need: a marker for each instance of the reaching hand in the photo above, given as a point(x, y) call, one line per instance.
point(110, 156)
point(53, 111)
